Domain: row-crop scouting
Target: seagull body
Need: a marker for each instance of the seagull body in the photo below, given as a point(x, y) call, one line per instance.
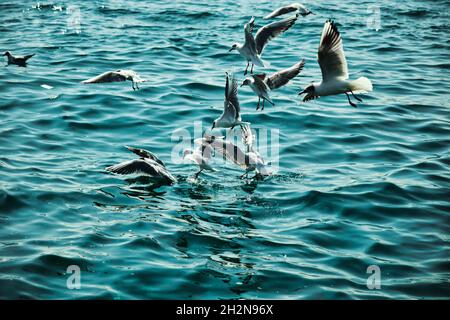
point(18, 60)
point(117, 76)
point(200, 156)
point(334, 69)
point(231, 115)
point(253, 47)
point(148, 164)
point(301, 9)
point(262, 85)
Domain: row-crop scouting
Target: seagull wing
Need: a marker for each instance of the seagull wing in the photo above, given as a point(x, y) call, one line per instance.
point(231, 152)
point(145, 154)
point(231, 102)
point(249, 40)
point(331, 54)
point(110, 76)
point(142, 166)
point(284, 76)
point(28, 56)
point(282, 10)
point(270, 31)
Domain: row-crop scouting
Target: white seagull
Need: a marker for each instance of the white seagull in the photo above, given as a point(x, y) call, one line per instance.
point(334, 69)
point(253, 47)
point(18, 60)
point(261, 84)
point(117, 76)
point(200, 156)
point(231, 115)
point(249, 160)
point(301, 9)
point(148, 164)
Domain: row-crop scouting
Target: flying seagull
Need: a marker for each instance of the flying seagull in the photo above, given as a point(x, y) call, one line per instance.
point(200, 156)
point(19, 60)
point(261, 84)
point(148, 164)
point(231, 115)
point(249, 160)
point(334, 69)
point(253, 47)
point(117, 76)
point(299, 8)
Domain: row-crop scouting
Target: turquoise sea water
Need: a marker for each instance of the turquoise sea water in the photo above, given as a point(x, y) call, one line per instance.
point(355, 187)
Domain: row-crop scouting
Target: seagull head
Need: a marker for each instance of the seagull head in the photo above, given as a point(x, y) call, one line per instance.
point(234, 47)
point(7, 53)
point(309, 90)
point(246, 82)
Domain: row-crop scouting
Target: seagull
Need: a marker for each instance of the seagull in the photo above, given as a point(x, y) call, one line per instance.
point(334, 69)
point(249, 160)
point(200, 156)
point(231, 115)
point(301, 9)
point(19, 60)
point(148, 164)
point(261, 84)
point(117, 76)
point(253, 47)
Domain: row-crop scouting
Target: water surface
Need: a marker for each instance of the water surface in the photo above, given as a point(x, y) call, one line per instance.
point(355, 187)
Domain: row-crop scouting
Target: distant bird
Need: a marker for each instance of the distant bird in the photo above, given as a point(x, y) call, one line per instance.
point(301, 9)
point(148, 164)
point(117, 76)
point(19, 60)
point(261, 84)
point(249, 160)
point(231, 115)
point(334, 69)
point(253, 47)
point(200, 156)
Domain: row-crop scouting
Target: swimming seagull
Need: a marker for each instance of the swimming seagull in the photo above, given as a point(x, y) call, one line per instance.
point(231, 115)
point(261, 84)
point(117, 76)
point(200, 156)
point(249, 160)
point(301, 9)
point(334, 69)
point(148, 164)
point(254, 46)
point(19, 60)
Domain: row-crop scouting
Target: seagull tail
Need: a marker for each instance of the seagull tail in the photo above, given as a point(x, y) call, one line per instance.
point(361, 85)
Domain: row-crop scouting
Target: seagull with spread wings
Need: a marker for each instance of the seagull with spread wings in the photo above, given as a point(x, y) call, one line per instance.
point(117, 76)
point(301, 9)
point(253, 47)
point(262, 84)
point(148, 164)
point(20, 61)
point(231, 115)
point(334, 69)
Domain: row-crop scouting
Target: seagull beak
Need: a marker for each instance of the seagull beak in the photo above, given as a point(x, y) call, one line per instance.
point(231, 49)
